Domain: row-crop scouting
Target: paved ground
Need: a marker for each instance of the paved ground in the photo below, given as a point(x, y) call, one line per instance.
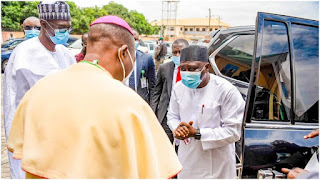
point(5, 170)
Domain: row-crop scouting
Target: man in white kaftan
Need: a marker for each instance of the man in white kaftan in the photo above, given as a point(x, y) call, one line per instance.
point(215, 108)
point(30, 61)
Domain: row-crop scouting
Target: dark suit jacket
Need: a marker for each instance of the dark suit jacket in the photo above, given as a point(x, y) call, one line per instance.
point(145, 62)
point(162, 90)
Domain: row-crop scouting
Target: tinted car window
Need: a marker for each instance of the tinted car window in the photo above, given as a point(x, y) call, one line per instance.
point(306, 59)
point(273, 91)
point(235, 59)
point(151, 46)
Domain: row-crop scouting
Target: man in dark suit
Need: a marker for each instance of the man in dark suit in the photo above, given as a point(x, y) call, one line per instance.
point(143, 77)
point(167, 76)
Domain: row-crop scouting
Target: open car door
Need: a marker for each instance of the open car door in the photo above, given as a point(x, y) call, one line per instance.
point(282, 104)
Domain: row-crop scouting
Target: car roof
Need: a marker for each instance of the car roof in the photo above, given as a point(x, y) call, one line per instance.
point(238, 29)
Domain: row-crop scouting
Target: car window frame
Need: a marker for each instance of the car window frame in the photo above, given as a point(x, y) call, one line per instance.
point(261, 17)
point(215, 67)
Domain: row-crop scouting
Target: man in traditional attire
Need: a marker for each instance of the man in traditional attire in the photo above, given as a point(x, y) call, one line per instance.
point(32, 60)
point(205, 113)
point(84, 123)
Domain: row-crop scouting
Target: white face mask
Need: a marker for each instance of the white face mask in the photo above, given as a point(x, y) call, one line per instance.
point(124, 79)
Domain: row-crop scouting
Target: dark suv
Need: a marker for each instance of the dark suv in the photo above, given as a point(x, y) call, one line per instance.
point(275, 66)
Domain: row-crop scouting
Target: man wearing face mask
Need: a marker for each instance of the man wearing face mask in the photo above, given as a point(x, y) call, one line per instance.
point(31, 27)
point(168, 75)
point(143, 77)
point(205, 114)
point(94, 126)
point(33, 59)
point(160, 53)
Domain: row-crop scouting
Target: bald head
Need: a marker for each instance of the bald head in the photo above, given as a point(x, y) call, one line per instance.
point(31, 21)
point(135, 34)
point(106, 36)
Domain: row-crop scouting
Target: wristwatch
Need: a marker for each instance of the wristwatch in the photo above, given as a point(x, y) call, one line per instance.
point(197, 135)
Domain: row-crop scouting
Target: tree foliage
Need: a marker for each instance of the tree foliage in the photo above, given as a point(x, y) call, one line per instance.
point(14, 12)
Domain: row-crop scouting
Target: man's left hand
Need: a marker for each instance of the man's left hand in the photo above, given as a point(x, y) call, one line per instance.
point(294, 173)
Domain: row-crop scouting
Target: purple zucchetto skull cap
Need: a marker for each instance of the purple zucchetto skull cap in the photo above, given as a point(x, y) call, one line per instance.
point(113, 20)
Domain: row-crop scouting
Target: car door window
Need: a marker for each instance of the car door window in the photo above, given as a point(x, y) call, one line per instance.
point(235, 59)
point(273, 89)
point(306, 59)
point(151, 47)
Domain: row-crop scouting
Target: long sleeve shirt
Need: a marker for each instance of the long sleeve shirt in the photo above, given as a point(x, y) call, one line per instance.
point(217, 111)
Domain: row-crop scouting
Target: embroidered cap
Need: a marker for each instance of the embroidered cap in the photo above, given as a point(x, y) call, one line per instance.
point(54, 10)
point(112, 20)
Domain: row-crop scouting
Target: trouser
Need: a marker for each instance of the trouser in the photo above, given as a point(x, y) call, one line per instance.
point(158, 62)
point(168, 132)
point(16, 171)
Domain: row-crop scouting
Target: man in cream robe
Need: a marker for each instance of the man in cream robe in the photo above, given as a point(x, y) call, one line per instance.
point(30, 61)
point(205, 114)
point(83, 123)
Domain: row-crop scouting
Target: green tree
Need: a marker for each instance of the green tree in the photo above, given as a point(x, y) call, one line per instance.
point(15, 12)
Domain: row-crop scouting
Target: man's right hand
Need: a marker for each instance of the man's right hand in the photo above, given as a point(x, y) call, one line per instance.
point(181, 132)
point(313, 134)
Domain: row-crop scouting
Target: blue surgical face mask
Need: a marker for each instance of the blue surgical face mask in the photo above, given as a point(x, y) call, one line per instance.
point(191, 79)
point(176, 60)
point(31, 33)
point(136, 44)
point(59, 37)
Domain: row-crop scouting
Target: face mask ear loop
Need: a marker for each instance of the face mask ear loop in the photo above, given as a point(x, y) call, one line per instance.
point(204, 74)
point(124, 70)
point(130, 57)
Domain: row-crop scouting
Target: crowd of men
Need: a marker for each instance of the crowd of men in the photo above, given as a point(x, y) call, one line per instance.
point(106, 113)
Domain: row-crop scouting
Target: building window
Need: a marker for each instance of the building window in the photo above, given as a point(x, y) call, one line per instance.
point(210, 29)
point(215, 28)
point(181, 29)
point(171, 28)
point(191, 29)
point(203, 29)
point(185, 29)
point(197, 29)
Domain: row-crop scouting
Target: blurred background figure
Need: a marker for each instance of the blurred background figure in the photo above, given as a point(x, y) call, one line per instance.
point(160, 53)
point(31, 27)
point(81, 55)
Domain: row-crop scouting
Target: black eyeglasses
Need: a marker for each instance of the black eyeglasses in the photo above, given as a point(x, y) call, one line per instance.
point(32, 27)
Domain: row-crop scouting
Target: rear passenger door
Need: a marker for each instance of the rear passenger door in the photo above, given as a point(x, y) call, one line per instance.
point(282, 104)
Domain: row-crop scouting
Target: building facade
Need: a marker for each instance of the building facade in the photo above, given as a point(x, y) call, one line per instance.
point(191, 28)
